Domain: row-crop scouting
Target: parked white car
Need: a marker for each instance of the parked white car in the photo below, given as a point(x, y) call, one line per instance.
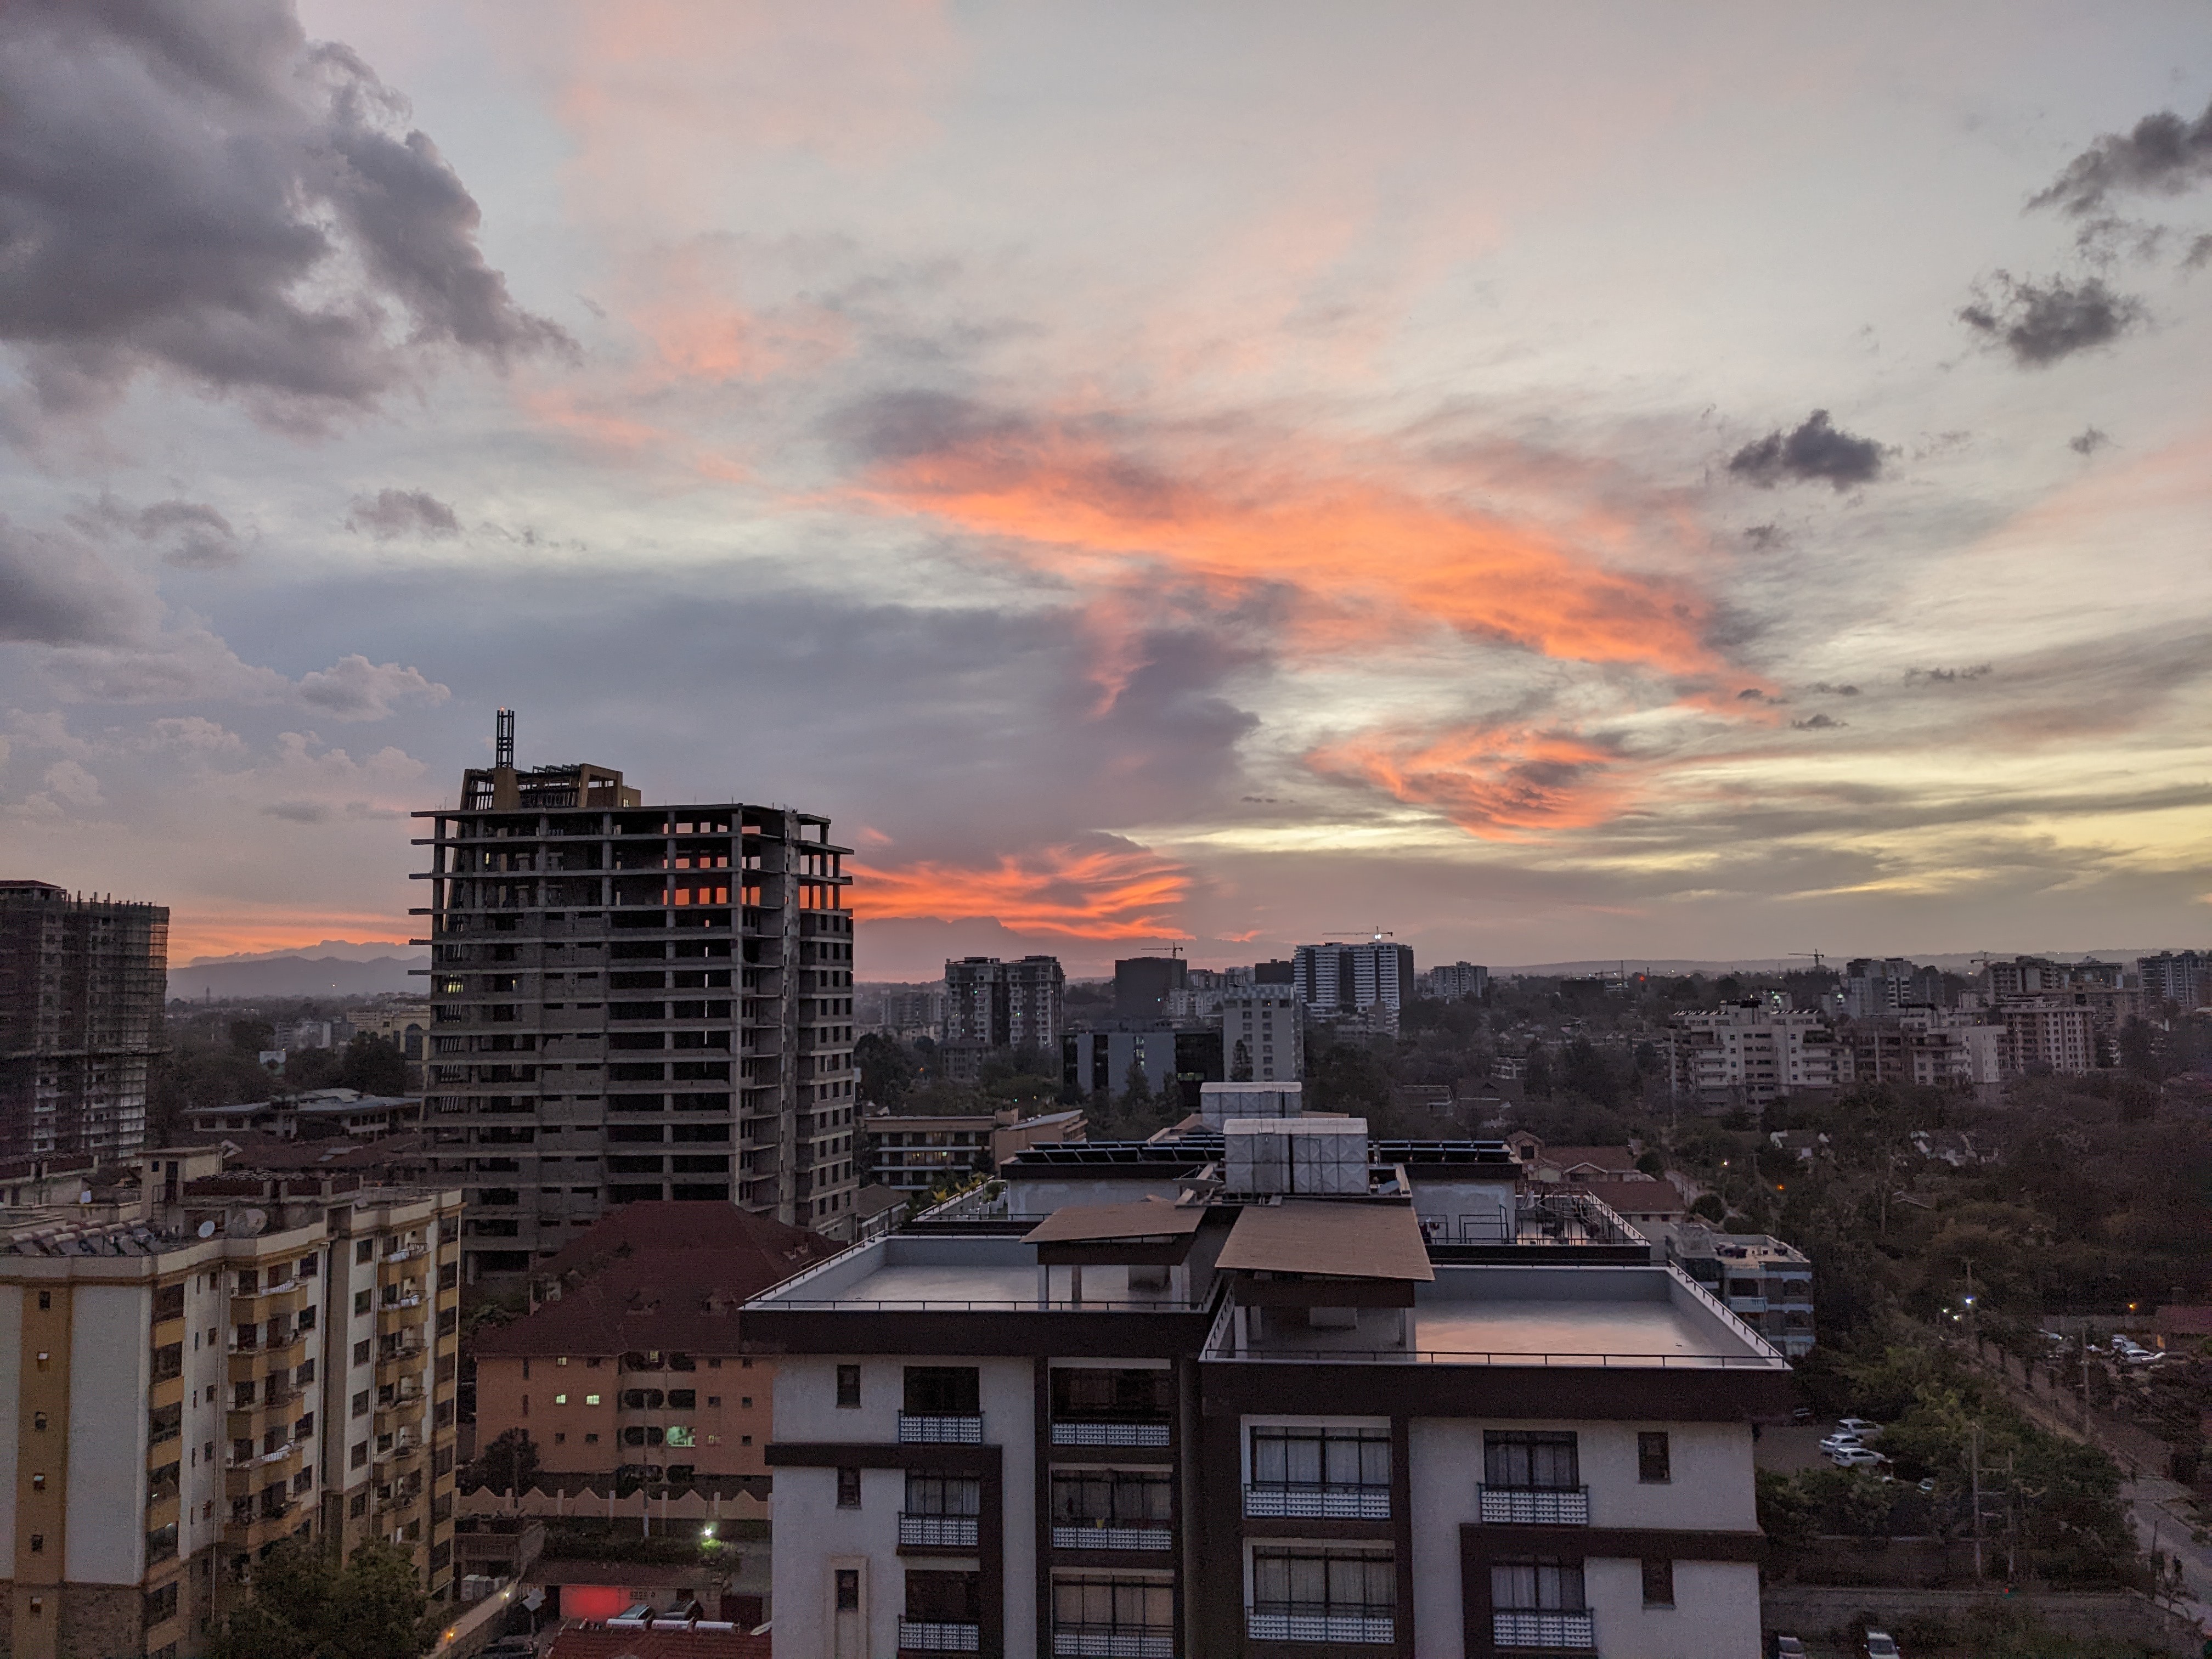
point(1857, 1457)
point(1836, 1443)
point(1880, 1644)
point(1858, 1428)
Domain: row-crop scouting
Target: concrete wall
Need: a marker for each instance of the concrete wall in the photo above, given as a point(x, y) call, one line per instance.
point(733, 1436)
point(110, 1367)
point(11, 1325)
point(806, 1499)
point(1716, 1612)
point(1814, 1609)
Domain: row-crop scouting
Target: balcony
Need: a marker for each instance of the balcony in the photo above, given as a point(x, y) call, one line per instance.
point(1550, 1631)
point(938, 1532)
point(243, 1477)
point(264, 1527)
point(1319, 1503)
point(1378, 1627)
point(1535, 1506)
point(931, 1636)
point(1113, 1642)
point(918, 1431)
point(1130, 1433)
point(1107, 1535)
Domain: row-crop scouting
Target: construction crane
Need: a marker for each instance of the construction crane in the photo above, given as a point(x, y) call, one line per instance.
point(1372, 935)
point(1815, 954)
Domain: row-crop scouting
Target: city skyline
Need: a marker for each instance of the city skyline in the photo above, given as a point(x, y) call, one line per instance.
point(1711, 489)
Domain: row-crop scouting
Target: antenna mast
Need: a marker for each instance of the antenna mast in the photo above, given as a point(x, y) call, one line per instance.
point(503, 737)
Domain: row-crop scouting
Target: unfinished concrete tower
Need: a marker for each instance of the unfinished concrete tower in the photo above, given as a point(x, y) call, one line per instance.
point(81, 986)
point(633, 1002)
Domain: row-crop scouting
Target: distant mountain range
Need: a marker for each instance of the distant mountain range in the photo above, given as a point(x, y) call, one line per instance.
point(294, 976)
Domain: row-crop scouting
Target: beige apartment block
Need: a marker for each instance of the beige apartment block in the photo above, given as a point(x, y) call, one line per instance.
point(187, 1378)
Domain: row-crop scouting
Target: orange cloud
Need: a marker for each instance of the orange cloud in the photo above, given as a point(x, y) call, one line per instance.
point(1365, 559)
point(1119, 892)
point(1492, 782)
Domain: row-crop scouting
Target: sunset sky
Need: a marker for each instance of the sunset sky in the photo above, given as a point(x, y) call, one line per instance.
point(1552, 480)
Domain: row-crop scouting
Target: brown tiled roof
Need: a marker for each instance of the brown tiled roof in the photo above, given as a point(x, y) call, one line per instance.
point(588, 1641)
point(658, 1275)
point(252, 1149)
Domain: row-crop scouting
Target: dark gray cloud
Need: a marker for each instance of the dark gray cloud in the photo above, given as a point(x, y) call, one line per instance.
point(1818, 452)
point(1946, 676)
point(199, 537)
point(2163, 154)
point(2040, 323)
point(298, 811)
point(1835, 691)
point(2199, 254)
point(1818, 723)
point(55, 589)
point(391, 513)
point(2089, 440)
point(191, 186)
point(1765, 538)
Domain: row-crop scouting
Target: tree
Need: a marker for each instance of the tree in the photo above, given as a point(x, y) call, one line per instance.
point(508, 1463)
point(304, 1605)
point(374, 1064)
point(886, 1069)
point(1710, 1207)
point(1240, 1062)
point(1136, 1088)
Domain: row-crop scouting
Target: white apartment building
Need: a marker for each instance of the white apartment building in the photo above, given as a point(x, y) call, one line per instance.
point(1127, 1419)
point(1749, 1053)
point(1263, 1034)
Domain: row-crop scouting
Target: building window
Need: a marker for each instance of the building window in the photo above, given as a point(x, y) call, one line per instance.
point(1654, 1465)
point(1543, 1461)
point(1321, 1457)
point(943, 1391)
point(848, 1489)
point(1104, 1607)
point(848, 1387)
point(1658, 1583)
point(1345, 1593)
point(848, 1589)
point(590, 1400)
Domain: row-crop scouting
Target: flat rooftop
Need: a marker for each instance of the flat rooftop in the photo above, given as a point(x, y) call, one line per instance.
point(907, 1274)
point(1609, 1316)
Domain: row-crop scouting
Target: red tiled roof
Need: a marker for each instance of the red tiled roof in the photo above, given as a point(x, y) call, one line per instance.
point(658, 1275)
point(255, 1150)
point(584, 1641)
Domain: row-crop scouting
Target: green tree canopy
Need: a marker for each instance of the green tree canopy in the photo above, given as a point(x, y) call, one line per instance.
point(305, 1606)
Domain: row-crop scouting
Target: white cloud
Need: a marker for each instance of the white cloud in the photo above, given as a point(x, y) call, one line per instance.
point(355, 689)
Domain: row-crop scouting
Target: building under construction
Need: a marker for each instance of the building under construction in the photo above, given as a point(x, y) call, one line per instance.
point(81, 983)
point(634, 1002)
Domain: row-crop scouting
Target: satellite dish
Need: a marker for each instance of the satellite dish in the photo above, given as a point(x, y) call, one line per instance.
point(207, 1229)
point(248, 1224)
point(85, 1197)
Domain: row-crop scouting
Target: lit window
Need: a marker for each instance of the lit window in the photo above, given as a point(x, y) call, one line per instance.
point(590, 1400)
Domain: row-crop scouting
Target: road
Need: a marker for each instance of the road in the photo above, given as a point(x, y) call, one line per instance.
point(2157, 1508)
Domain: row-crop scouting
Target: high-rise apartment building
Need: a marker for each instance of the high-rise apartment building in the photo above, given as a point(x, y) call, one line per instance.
point(2054, 1033)
point(81, 982)
point(1750, 1052)
point(1335, 980)
point(1263, 1034)
point(201, 1373)
point(1457, 981)
point(631, 1002)
point(1006, 1005)
point(2182, 977)
point(1142, 986)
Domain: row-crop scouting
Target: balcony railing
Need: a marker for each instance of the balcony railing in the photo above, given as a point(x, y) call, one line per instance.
point(1537, 1506)
point(1510, 1629)
point(950, 1532)
point(931, 1636)
point(1110, 1535)
point(1111, 1434)
point(915, 1429)
point(1113, 1641)
point(1377, 1627)
point(1320, 1502)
